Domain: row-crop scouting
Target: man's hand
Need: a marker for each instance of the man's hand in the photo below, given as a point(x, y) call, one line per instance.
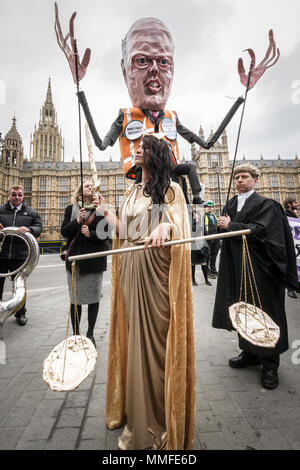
point(70, 52)
point(23, 229)
point(159, 235)
point(223, 222)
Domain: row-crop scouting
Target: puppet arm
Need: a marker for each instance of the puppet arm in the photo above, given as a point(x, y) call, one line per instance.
point(191, 137)
point(112, 134)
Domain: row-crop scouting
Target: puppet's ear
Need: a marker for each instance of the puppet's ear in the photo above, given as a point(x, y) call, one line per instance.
point(123, 69)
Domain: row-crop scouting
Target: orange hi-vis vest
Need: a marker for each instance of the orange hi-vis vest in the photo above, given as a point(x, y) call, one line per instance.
point(134, 124)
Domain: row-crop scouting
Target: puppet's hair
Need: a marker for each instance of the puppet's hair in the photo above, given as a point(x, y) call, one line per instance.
point(141, 25)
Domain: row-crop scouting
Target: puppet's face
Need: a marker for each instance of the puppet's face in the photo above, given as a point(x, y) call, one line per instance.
point(148, 67)
point(244, 182)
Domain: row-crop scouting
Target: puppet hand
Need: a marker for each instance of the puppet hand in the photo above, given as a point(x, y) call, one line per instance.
point(70, 52)
point(257, 72)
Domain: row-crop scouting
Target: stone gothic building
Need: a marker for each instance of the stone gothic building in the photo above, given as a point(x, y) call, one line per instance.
point(49, 181)
point(280, 178)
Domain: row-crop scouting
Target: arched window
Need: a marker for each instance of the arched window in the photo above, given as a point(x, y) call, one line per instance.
point(50, 146)
point(45, 146)
point(14, 158)
point(7, 158)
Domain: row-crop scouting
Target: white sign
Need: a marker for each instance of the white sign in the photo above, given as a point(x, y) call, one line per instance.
point(169, 128)
point(134, 130)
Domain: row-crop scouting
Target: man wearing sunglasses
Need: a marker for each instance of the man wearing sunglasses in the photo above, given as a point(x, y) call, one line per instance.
point(16, 213)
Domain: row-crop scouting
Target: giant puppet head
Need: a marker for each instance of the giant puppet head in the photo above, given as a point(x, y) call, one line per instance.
point(147, 63)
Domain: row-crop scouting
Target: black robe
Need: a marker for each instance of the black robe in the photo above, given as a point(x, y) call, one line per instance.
point(272, 253)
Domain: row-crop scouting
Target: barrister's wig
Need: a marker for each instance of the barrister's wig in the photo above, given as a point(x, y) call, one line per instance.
point(247, 167)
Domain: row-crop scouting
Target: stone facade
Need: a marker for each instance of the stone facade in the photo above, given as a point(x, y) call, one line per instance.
point(280, 178)
point(49, 181)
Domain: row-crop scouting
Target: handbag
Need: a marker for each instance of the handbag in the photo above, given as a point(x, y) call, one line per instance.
point(64, 254)
point(250, 321)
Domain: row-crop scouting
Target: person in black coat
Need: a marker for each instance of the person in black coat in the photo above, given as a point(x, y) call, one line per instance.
point(290, 205)
point(86, 232)
point(16, 213)
point(199, 249)
point(211, 228)
point(273, 258)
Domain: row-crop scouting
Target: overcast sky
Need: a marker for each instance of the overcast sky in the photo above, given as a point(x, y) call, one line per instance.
point(209, 37)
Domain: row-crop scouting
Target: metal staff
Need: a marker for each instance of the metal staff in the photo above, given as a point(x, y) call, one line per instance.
point(239, 132)
point(79, 119)
point(100, 254)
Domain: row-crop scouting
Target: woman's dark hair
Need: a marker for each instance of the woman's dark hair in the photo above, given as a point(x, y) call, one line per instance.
point(159, 163)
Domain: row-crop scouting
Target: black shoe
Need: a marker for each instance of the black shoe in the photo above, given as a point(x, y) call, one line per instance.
point(91, 337)
point(195, 283)
point(243, 361)
point(197, 200)
point(292, 293)
point(214, 271)
point(22, 320)
point(208, 283)
point(269, 378)
point(212, 276)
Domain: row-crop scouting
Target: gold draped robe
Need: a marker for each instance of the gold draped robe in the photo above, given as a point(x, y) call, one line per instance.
point(173, 337)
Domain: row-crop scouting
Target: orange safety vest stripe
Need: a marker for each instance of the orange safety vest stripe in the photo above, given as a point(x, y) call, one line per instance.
point(128, 147)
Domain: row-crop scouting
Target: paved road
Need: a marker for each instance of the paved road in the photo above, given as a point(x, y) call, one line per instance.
point(233, 410)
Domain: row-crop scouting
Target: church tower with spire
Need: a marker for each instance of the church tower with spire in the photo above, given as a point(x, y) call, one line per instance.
point(12, 152)
point(47, 143)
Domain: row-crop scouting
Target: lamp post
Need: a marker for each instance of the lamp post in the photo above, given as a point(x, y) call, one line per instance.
point(216, 168)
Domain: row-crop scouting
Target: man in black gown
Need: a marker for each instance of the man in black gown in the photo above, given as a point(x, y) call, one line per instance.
point(273, 257)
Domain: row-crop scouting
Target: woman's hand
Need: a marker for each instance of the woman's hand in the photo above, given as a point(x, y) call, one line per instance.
point(85, 231)
point(82, 215)
point(101, 205)
point(159, 235)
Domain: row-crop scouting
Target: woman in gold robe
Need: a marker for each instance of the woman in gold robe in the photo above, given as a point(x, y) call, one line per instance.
point(151, 362)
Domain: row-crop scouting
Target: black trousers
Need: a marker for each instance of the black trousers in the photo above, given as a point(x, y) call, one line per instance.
point(10, 265)
point(214, 246)
point(190, 170)
point(271, 362)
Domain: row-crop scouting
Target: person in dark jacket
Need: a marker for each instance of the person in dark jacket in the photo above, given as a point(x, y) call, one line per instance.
point(199, 249)
point(210, 228)
point(290, 205)
point(16, 213)
point(86, 232)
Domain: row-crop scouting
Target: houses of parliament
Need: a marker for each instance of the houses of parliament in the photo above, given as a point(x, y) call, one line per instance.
point(49, 181)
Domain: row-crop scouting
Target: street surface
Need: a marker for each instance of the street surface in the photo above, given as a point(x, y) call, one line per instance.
point(233, 410)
